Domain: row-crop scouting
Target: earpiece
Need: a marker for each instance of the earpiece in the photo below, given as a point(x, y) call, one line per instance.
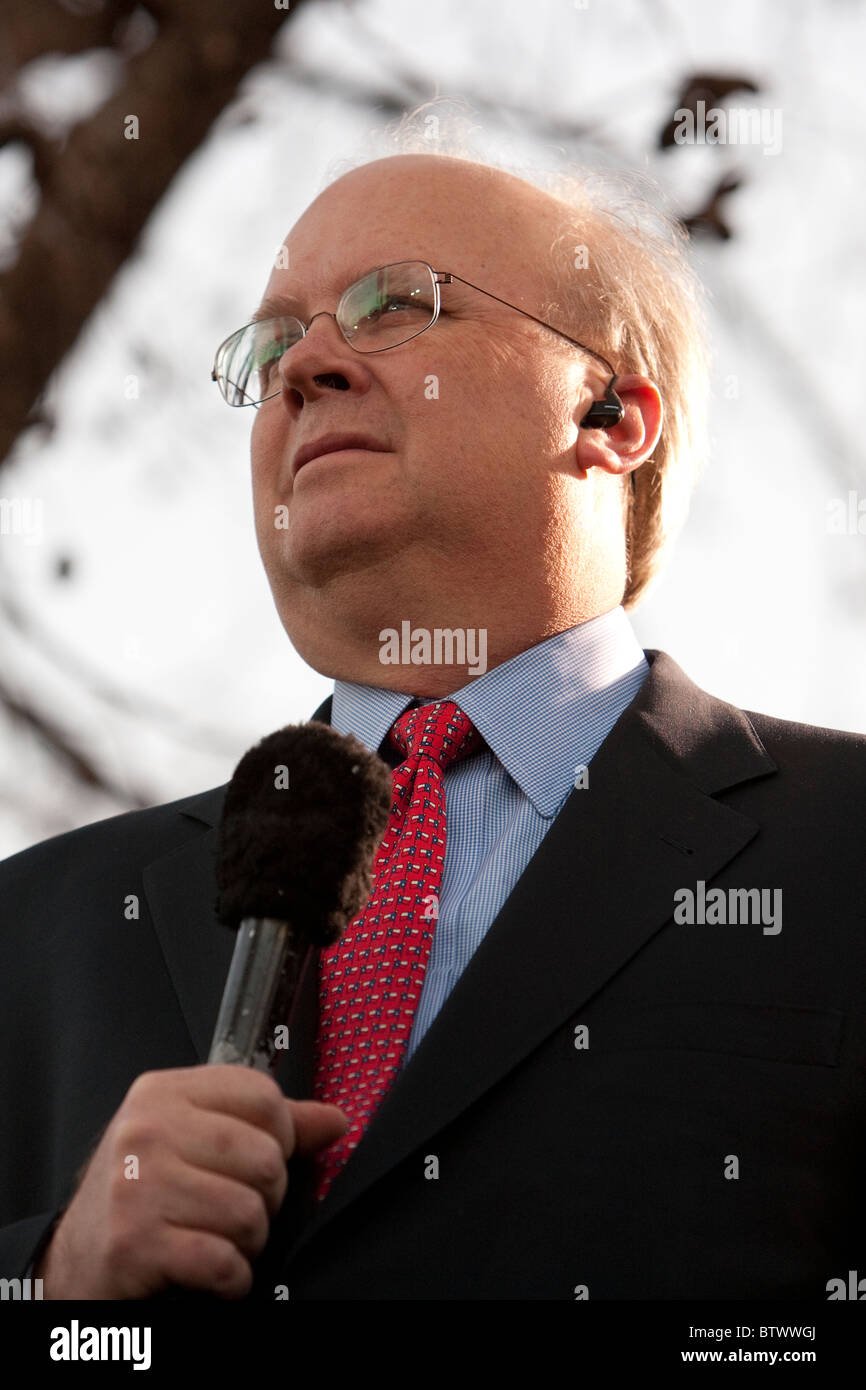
point(604, 414)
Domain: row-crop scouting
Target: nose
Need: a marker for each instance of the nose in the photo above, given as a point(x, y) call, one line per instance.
point(319, 315)
point(319, 362)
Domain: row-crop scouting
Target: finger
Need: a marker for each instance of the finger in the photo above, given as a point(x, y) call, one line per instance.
point(222, 1144)
point(205, 1201)
point(316, 1124)
point(246, 1094)
point(202, 1260)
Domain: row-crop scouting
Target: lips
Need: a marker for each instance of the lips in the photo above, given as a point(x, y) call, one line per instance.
point(329, 444)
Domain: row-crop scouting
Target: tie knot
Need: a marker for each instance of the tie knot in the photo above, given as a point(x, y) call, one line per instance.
point(440, 731)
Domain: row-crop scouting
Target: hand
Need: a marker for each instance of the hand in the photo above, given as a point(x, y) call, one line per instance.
point(210, 1145)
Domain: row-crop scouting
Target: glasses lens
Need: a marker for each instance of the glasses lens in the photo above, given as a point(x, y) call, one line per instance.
point(388, 306)
point(247, 362)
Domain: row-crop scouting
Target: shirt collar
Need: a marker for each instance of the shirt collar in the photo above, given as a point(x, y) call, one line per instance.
point(543, 713)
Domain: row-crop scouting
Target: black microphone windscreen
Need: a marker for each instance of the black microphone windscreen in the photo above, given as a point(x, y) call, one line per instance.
point(304, 814)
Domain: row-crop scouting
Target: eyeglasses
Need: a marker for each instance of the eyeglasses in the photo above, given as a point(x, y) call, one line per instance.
point(386, 307)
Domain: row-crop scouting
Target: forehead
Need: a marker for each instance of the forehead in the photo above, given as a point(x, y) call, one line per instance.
point(480, 223)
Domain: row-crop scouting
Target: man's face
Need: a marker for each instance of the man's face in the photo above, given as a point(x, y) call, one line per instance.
point(476, 416)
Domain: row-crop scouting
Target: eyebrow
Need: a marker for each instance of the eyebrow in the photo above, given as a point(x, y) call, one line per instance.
point(273, 307)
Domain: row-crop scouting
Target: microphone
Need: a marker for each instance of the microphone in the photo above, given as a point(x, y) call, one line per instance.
point(304, 814)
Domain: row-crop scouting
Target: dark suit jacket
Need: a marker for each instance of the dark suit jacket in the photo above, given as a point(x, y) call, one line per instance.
point(707, 1143)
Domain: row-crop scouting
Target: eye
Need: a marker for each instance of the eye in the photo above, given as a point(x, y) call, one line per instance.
point(395, 302)
point(390, 304)
point(269, 362)
point(271, 340)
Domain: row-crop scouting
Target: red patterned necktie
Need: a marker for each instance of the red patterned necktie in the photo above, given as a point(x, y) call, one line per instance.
point(370, 981)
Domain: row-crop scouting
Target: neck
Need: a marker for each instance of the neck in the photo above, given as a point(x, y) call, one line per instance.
point(424, 645)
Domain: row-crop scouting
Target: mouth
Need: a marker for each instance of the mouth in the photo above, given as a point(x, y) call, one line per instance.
point(333, 444)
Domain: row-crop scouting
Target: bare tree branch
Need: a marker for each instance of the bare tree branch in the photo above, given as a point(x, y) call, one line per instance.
point(50, 734)
point(29, 31)
point(139, 707)
point(97, 195)
point(18, 130)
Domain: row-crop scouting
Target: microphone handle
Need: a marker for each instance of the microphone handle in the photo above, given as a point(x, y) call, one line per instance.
point(266, 965)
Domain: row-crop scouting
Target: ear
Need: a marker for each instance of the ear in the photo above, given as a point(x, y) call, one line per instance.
point(622, 448)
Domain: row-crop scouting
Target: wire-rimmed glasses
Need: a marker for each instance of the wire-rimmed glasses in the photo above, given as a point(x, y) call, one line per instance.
point(384, 308)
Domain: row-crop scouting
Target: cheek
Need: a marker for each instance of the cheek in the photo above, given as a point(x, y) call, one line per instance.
point(507, 374)
point(264, 458)
point(514, 396)
point(469, 395)
point(267, 444)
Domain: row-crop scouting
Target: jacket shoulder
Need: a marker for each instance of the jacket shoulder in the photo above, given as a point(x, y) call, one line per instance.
point(809, 741)
point(823, 771)
point(130, 838)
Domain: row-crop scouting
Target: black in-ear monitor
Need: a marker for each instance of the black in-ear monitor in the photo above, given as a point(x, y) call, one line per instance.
point(603, 414)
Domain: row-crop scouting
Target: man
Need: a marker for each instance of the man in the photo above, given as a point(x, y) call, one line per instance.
point(619, 1054)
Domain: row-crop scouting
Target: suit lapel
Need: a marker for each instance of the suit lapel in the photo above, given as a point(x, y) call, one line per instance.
point(181, 892)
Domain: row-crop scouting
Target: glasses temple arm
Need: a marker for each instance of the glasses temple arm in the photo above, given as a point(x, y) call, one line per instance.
point(448, 276)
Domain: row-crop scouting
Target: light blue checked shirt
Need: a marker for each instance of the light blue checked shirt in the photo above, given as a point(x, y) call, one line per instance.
point(543, 713)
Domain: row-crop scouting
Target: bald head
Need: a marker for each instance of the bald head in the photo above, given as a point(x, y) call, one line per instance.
point(453, 213)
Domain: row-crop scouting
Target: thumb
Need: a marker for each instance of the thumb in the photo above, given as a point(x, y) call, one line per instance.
point(316, 1124)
